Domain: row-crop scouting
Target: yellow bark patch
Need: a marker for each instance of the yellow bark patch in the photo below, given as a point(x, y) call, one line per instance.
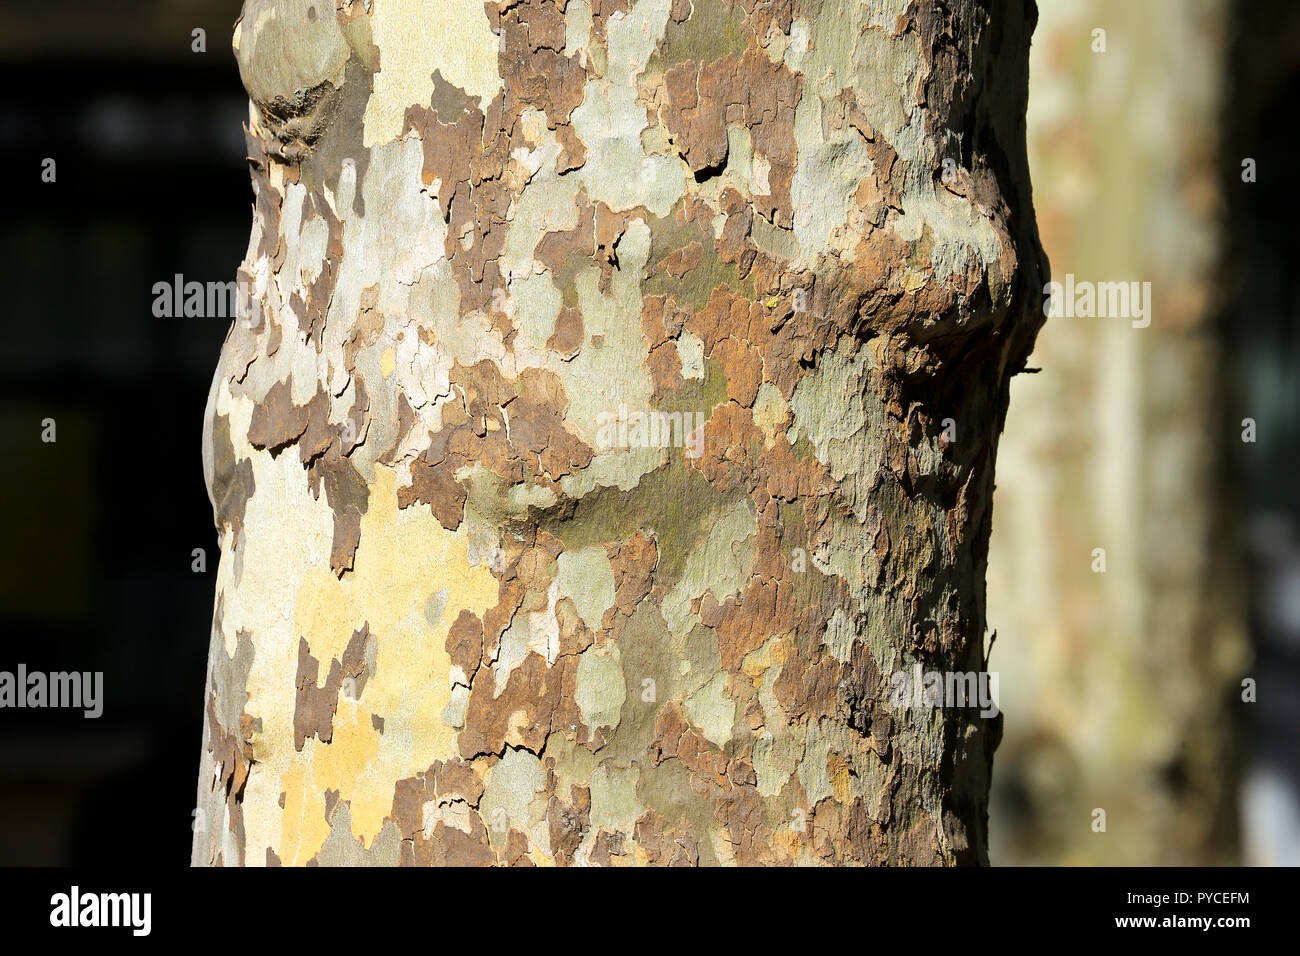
point(288, 592)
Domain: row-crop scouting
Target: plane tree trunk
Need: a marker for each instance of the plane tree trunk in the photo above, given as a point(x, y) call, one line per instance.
point(611, 424)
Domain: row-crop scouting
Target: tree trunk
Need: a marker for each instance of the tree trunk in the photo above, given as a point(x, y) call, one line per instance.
point(612, 424)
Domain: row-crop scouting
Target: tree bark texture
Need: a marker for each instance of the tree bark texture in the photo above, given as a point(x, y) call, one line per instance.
point(479, 601)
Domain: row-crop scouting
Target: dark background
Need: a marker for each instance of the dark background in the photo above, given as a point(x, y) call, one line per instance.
point(97, 529)
point(1260, 336)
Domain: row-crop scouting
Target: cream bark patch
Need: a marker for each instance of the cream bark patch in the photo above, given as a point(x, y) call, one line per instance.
point(417, 37)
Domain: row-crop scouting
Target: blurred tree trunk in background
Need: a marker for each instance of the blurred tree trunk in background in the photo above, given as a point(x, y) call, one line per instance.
point(460, 621)
point(1119, 686)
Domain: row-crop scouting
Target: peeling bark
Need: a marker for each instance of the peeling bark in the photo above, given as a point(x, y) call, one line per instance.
point(491, 243)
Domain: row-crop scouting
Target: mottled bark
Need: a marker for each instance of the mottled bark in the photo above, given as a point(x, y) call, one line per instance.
point(462, 616)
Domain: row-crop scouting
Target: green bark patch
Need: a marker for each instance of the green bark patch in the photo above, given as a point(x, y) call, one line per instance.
point(675, 502)
point(711, 32)
point(669, 234)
